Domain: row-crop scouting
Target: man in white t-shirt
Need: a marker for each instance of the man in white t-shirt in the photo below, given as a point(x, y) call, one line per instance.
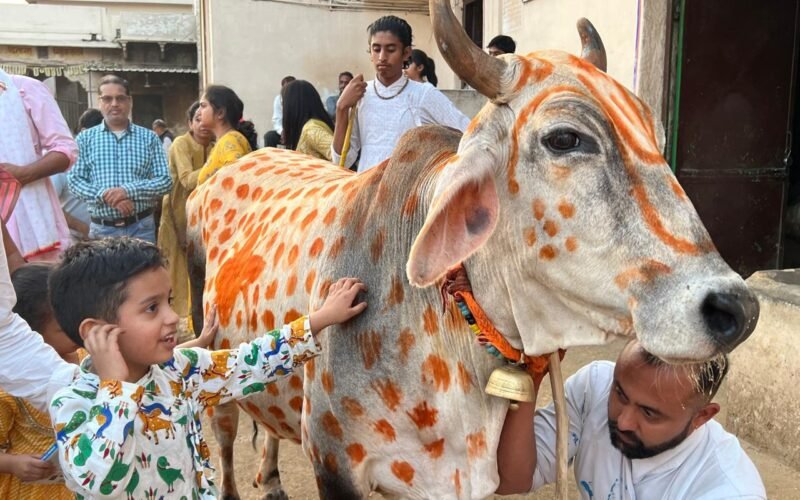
point(638, 429)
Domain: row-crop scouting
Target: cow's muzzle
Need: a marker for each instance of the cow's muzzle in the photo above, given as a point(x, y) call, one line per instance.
point(730, 317)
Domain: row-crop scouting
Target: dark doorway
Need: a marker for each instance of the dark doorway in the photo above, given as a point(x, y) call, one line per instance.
point(734, 109)
point(473, 21)
point(147, 108)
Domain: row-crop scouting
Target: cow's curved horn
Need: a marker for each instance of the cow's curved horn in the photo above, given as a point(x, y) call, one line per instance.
point(593, 49)
point(480, 70)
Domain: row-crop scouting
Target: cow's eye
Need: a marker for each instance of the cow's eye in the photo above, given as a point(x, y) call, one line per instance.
point(562, 141)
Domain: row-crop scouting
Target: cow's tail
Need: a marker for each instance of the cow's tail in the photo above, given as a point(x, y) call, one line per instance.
point(197, 280)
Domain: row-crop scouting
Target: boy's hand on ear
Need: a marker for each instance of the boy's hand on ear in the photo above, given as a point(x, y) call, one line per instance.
point(340, 304)
point(101, 342)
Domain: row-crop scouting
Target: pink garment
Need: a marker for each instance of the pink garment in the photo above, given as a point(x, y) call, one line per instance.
point(37, 224)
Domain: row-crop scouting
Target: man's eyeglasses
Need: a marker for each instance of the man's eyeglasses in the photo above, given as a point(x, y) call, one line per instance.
point(108, 99)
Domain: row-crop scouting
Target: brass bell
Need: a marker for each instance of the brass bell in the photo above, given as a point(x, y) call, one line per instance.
point(512, 383)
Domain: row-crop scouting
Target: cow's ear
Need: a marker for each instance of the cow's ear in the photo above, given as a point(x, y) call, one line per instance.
point(462, 217)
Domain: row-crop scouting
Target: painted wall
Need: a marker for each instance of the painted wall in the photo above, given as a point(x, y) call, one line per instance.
point(256, 44)
point(550, 24)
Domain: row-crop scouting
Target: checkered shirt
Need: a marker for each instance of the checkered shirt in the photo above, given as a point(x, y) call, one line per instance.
point(134, 162)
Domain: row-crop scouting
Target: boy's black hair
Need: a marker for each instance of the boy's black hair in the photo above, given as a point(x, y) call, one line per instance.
point(91, 279)
point(504, 43)
point(394, 25)
point(30, 286)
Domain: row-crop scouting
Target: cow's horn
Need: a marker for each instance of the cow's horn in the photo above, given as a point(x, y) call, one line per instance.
point(593, 49)
point(480, 70)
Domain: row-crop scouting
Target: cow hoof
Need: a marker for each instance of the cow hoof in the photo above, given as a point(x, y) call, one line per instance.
point(278, 494)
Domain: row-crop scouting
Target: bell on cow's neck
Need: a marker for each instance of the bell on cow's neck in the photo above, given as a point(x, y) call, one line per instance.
point(512, 383)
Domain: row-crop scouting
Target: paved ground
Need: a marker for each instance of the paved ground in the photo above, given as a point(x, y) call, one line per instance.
point(782, 482)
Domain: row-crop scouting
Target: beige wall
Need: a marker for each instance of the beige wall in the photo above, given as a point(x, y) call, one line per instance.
point(258, 43)
point(550, 24)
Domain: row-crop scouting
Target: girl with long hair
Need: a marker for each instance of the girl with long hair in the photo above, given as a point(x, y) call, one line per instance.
point(307, 127)
point(421, 68)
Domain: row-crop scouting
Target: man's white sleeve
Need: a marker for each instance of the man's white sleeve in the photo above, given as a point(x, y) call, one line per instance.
point(29, 368)
point(576, 391)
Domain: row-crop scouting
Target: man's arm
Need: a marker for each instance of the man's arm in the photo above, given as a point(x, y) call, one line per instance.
point(438, 109)
point(516, 452)
point(159, 182)
point(50, 164)
point(349, 98)
point(79, 177)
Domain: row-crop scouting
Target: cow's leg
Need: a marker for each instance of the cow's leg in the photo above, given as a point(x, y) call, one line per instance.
point(269, 478)
point(334, 484)
point(197, 281)
point(225, 422)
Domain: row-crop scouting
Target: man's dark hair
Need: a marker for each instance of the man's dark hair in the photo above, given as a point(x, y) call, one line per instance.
point(287, 79)
point(158, 122)
point(301, 102)
point(90, 118)
point(347, 74)
point(109, 79)
point(30, 286)
point(394, 25)
point(707, 376)
point(91, 279)
point(504, 43)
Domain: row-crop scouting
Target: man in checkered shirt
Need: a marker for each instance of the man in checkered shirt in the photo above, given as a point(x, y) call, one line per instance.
point(121, 172)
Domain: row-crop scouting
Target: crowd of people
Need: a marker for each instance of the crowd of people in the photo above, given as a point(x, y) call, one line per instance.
point(94, 273)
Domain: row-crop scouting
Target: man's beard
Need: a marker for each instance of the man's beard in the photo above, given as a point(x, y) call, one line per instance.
point(637, 449)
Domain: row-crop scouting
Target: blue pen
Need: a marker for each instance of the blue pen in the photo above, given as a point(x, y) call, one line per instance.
point(49, 453)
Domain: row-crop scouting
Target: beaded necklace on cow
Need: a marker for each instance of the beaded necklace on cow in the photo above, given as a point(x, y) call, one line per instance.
point(487, 335)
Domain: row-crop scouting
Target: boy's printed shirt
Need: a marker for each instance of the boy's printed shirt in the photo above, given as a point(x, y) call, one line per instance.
point(144, 440)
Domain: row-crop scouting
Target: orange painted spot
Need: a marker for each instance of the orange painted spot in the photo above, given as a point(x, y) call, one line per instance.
point(291, 258)
point(435, 372)
point(212, 255)
point(256, 193)
point(308, 219)
point(550, 227)
point(548, 252)
point(310, 278)
point(403, 471)
point(229, 215)
point(336, 248)
point(676, 188)
point(645, 273)
point(571, 244)
point(423, 416)
point(235, 276)
point(273, 389)
point(253, 323)
point(316, 248)
point(435, 448)
point(291, 315)
point(227, 182)
point(390, 394)
point(254, 410)
point(327, 381)
point(307, 402)
point(295, 194)
point(396, 292)
point(296, 404)
point(324, 287)
point(294, 214)
point(282, 194)
point(296, 383)
point(530, 236)
point(356, 452)
point(243, 190)
point(538, 209)
point(385, 429)
point(331, 425)
point(369, 344)
point(405, 341)
point(225, 235)
point(457, 483)
point(330, 216)
point(215, 205)
point(476, 444)
point(410, 205)
point(464, 378)
point(278, 214)
point(566, 209)
point(352, 408)
point(333, 187)
point(272, 289)
point(276, 412)
point(330, 463)
point(430, 322)
point(376, 249)
point(278, 254)
point(310, 369)
point(225, 344)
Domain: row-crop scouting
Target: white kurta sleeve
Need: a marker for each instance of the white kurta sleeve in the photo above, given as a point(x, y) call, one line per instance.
point(436, 108)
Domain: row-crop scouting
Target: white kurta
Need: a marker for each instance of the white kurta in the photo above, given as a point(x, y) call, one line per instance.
point(710, 464)
point(380, 122)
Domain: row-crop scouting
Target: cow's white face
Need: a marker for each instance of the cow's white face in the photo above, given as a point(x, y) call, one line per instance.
point(576, 225)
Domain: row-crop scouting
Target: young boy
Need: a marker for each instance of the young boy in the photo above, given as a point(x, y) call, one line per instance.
point(391, 104)
point(129, 426)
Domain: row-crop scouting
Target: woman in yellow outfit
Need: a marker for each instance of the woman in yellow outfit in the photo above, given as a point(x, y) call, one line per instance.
point(25, 432)
point(221, 112)
point(306, 125)
point(187, 156)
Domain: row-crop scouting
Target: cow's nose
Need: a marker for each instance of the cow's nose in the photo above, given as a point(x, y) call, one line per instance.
point(730, 317)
